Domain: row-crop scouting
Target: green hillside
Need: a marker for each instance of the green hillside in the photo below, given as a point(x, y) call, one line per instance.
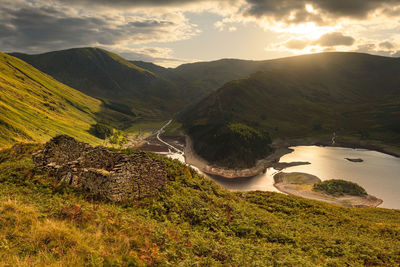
point(306, 97)
point(121, 85)
point(35, 107)
point(192, 222)
point(143, 88)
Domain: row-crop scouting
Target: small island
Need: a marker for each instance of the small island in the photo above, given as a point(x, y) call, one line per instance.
point(334, 191)
point(336, 187)
point(355, 160)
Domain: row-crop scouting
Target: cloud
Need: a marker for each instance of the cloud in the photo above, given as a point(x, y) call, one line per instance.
point(158, 55)
point(335, 39)
point(296, 44)
point(319, 11)
point(37, 28)
point(232, 29)
point(386, 45)
point(386, 48)
point(327, 41)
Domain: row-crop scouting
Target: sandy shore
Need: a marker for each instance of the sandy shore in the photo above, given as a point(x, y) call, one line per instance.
point(300, 184)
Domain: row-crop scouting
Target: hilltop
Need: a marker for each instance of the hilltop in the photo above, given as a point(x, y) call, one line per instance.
point(35, 107)
point(138, 87)
point(303, 98)
point(104, 75)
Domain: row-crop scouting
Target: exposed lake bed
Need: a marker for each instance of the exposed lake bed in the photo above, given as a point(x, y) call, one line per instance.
point(302, 185)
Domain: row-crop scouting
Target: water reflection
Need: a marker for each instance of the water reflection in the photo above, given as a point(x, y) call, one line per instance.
point(263, 182)
point(379, 174)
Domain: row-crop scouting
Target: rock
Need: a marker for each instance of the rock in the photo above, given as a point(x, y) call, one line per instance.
point(355, 160)
point(111, 175)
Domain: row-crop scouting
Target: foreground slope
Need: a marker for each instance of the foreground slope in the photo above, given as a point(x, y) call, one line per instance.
point(193, 221)
point(35, 107)
point(354, 95)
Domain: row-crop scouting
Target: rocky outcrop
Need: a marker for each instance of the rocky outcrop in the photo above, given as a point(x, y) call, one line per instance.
point(112, 175)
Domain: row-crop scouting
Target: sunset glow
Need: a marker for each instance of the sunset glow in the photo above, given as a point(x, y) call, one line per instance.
point(174, 32)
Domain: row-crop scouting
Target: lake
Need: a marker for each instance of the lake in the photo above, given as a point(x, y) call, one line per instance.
point(379, 173)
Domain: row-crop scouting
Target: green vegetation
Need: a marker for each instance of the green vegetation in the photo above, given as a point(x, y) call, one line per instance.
point(138, 87)
point(106, 132)
point(234, 145)
point(102, 130)
point(193, 221)
point(35, 107)
point(339, 187)
point(120, 84)
point(308, 98)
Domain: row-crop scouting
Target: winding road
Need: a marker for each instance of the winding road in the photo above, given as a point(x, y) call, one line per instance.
point(159, 132)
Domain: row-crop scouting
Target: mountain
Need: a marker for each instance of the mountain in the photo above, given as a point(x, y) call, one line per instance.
point(35, 107)
point(357, 96)
point(139, 87)
point(154, 68)
point(120, 84)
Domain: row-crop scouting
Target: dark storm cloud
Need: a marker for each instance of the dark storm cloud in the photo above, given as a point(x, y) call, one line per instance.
point(293, 11)
point(335, 39)
point(38, 28)
point(130, 3)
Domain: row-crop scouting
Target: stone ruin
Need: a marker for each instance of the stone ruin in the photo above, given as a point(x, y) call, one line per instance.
point(112, 175)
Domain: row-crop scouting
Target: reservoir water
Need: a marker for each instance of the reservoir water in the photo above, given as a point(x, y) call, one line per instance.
point(379, 173)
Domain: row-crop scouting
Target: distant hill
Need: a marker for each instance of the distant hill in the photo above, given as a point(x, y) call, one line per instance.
point(35, 107)
point(104, 75)
point(154, 68)
point(142, 88)
point(312, 96)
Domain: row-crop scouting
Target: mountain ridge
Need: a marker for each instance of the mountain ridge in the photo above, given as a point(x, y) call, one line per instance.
point(312, 96)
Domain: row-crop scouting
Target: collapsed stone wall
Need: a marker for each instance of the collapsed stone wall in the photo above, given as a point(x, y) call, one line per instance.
point(112, 175)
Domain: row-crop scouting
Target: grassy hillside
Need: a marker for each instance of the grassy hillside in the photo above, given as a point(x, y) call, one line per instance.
point(140, 87)
point(192, 222)
point(355, 95)
point(122, 85)
point(35, 107)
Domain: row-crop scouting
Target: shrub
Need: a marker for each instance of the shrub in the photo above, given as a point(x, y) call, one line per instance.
point(339, 187)
point(102, 130)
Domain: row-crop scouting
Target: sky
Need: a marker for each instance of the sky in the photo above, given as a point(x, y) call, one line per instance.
point(172, 32)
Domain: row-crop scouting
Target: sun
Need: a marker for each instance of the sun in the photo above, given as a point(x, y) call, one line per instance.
point(307, 30)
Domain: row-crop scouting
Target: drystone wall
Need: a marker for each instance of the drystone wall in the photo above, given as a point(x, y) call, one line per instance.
point(112, 175)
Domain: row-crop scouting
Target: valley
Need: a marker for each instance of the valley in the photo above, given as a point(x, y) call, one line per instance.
point(223, 133)
point(199, 133)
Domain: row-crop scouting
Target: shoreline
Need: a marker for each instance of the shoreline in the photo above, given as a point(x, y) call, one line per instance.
point(300, 185)
point(272, 161)
point(281, 148)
